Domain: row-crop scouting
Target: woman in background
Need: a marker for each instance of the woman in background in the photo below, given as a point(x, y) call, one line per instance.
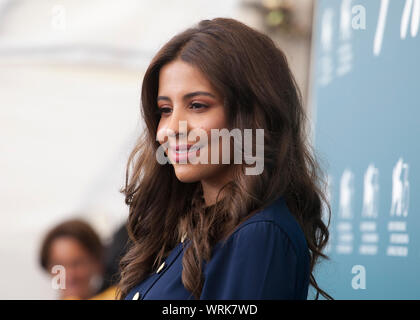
point(210, 230)
point(75, 246)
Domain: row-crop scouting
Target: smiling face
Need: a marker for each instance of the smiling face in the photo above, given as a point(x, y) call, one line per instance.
point(186, 95)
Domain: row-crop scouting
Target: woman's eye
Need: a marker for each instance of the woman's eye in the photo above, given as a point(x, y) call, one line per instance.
point(165, 110)
point(196, 105)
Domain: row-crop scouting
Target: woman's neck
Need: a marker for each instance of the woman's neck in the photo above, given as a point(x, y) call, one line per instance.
point(211, 187)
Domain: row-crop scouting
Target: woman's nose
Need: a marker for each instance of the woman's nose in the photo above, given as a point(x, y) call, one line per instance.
point(178, 124)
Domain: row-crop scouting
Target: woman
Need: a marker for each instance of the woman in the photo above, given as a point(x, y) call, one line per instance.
point(212, 230)
point(74, 245)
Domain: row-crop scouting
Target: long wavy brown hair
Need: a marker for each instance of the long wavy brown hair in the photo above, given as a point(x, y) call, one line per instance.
point(259, 91)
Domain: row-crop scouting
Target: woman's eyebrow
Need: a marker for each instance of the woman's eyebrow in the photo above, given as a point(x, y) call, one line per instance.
point(163, 98)
point(189, 95)
point(198, 93)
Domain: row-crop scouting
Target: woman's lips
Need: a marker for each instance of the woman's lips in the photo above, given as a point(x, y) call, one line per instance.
point(182, 152)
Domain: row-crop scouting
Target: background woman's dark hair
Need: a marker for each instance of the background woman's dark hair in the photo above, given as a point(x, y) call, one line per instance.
point(78, 230)
point(259, 91)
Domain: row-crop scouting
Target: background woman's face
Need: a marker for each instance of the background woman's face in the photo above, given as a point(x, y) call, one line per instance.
point(186, 95)
point(80, 267)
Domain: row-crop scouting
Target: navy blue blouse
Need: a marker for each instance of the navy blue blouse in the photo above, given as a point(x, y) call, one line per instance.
point(265, 258)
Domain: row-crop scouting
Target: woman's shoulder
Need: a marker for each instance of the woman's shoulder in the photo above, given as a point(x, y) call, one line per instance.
point(266, 257)
point(274, 221)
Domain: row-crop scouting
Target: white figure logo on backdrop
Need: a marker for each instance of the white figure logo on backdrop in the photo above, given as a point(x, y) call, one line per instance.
point(346, 194)
point(400, 189)
point(345, 20)
point(371, 192)
point(326, 61)
point(345, 51)
point(411, 9)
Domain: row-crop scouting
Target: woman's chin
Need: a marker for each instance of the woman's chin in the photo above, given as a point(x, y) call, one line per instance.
point(187, 173)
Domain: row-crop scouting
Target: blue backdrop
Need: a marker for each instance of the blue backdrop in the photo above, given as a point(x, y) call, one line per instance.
point(366, 110)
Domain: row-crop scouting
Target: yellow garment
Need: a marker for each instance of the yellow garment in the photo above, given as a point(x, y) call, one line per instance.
point(108, 294)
